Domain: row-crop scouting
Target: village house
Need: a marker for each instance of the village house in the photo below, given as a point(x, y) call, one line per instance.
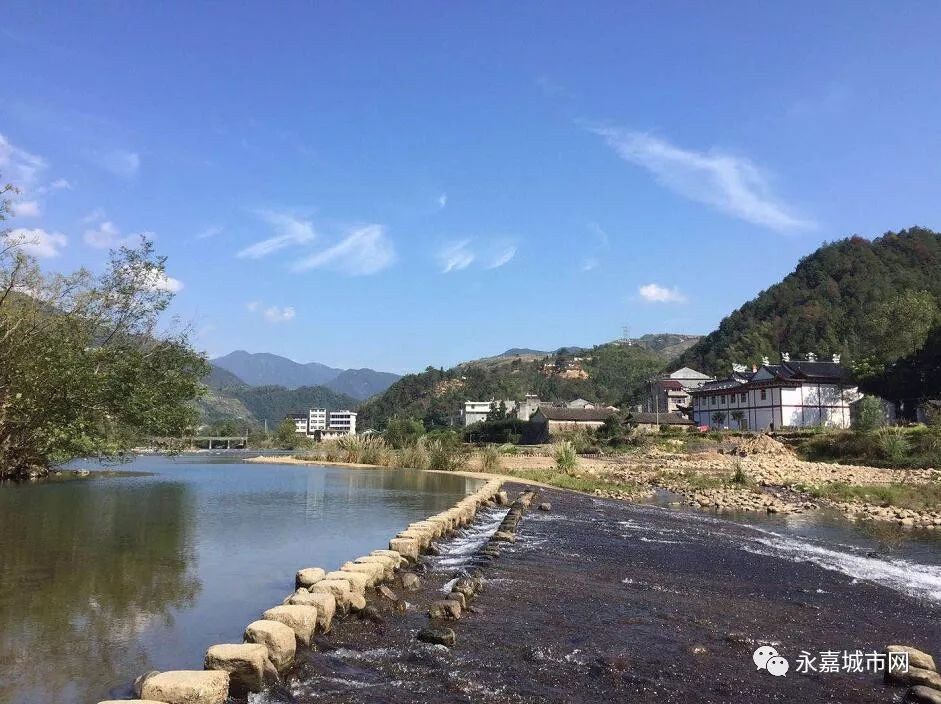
point(549, 420)
point(793, 394)
point(477, 411)
point(320, 424)
point(653, 422)
point(669, 393)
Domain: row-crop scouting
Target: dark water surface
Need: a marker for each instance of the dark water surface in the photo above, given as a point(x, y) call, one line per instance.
point(105, 578)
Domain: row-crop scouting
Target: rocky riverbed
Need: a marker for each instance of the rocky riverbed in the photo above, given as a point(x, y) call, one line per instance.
point(599, 600)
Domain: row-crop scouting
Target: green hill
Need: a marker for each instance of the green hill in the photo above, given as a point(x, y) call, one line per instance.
point(614, 374)
point(828, 304)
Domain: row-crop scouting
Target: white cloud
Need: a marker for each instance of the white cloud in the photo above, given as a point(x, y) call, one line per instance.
point(273, 314)
point(93, 216)
point(654, 293)
point(209, 232)
point(159, 281)
point(37, 242)
point(501, 257)
point(728, 183)
point(108, 236)
point(59, 184)
point(18, 165)
point(291, 230)
point(456, 256)
point(442, 200)
point(26, 209)
point(120, 162)
point(365, 250)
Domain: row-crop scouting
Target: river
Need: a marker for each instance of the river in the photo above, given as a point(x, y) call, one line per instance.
point(110, 576)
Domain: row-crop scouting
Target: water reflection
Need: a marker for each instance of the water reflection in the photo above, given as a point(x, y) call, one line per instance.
point(84, 569)
point(103, 579)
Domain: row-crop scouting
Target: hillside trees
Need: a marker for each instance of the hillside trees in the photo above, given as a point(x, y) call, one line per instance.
point(85, 368)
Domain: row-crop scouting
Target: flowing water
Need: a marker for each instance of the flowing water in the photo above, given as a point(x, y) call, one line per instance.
point(107, 577)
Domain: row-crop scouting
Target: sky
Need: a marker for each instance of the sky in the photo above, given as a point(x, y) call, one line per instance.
point(397, 185)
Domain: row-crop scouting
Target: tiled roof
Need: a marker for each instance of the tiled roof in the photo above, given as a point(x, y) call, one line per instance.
point(576, 414)
point(661, 419)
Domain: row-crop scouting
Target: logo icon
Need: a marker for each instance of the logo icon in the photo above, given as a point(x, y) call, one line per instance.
point(767, 658)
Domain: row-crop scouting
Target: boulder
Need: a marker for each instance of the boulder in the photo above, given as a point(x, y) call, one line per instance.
point(387, 563)
point(914, 676)
point(277, 638)
point(375, 571)
point(406, 547)
point(467, 586)
point(545, 506)
point(300, 619)
point(437, 636)
point(371, 613)
point(504, 536)
point(459, 598)
point(916, 658)
point(445, 609)
point(358, 581)
point(502, 498)
point(326, 605)
point(923, 695)
point(357, 602)
point(411, 582)
point(247, 664)
point(340, 588)
point(396, 556)
point(388, 593)
point(187, 687)
point(139, 682)
point(307, 576)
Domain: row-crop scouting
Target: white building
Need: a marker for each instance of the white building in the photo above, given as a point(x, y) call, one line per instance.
point(798, 394)
point(477, 411)
point(669, 392)
point(316, 422)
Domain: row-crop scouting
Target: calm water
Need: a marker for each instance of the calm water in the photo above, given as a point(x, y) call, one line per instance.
point(106, 578)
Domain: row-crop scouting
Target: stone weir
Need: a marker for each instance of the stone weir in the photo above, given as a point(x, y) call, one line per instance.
point(270, 643)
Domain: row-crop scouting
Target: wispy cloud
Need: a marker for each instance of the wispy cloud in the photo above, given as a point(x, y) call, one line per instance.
point(589, 263)
point(107, 236)
point(119, 162)
point(26, 209)
point(363, 251)
point(291, 231)
point(59, 184)
point(442, 200)
point(728, 183)
point(18, 165)
point(93, 216)
point(209, 232)
point(456, 256)
point(159, 281)
point(272, 314)
point(502, 256)
point(654, 293)
point(36, 242)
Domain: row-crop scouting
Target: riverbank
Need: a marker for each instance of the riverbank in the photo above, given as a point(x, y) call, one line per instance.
point(599, 600)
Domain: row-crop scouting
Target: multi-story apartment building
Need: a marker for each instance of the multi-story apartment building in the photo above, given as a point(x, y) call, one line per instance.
point(317, 421)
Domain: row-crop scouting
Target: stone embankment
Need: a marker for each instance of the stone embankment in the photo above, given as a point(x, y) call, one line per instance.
point(270, 644)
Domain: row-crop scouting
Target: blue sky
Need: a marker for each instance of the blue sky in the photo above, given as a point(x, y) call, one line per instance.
point(401, 184)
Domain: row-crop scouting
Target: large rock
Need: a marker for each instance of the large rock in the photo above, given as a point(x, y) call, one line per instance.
point(923, 695)
point(187, 687)
point(445, 609)
point(375, 571)
point(406, 547)
point(388, 564)
point(357, 602)
point(325, 602)
point(411, 582)
point(277, 637)
point(307, 576)
point(916, 657)
point(339, 588)
point(396, 556)
point(914, 676)
point(438, 636)
point(358, 581)
point(247, 664)
point(300, 619)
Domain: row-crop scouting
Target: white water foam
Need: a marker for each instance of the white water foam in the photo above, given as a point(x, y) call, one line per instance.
point(456, 551)
point(911, 578)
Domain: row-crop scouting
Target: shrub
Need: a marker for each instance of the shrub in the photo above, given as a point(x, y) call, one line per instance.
point(414, 456)
point(566, 459)
point(739, 476)
point(870, 415)
point(443, 455)
point(403, 432)
point(894, 443)
point(490, 459)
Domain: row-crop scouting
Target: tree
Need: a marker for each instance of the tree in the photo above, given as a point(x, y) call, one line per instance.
point(869, 414)
point(902, 324)
point(718, 418)
point(286, 436)
point(738, 417)
point(85, 368)
point(403, 432)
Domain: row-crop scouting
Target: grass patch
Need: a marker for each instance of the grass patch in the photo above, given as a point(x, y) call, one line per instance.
point(561, 479)
point(918, 497)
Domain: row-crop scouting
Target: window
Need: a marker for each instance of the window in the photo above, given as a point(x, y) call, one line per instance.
point(764, 395)
point(744, 397)
point(714, 399)
point(723, 399)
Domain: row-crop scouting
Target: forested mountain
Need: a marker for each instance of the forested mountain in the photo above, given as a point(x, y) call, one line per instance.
point(265, 369)
point(833, 302)
point(219, 378)
point(613, 373)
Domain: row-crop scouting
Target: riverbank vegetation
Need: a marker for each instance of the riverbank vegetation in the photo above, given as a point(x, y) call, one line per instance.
point(86, 366)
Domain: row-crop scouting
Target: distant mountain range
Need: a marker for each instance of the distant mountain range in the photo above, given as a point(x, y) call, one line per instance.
point(265, 369)
point(667, 344)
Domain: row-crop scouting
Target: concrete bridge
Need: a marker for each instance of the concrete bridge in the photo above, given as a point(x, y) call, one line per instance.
point(205, 442)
